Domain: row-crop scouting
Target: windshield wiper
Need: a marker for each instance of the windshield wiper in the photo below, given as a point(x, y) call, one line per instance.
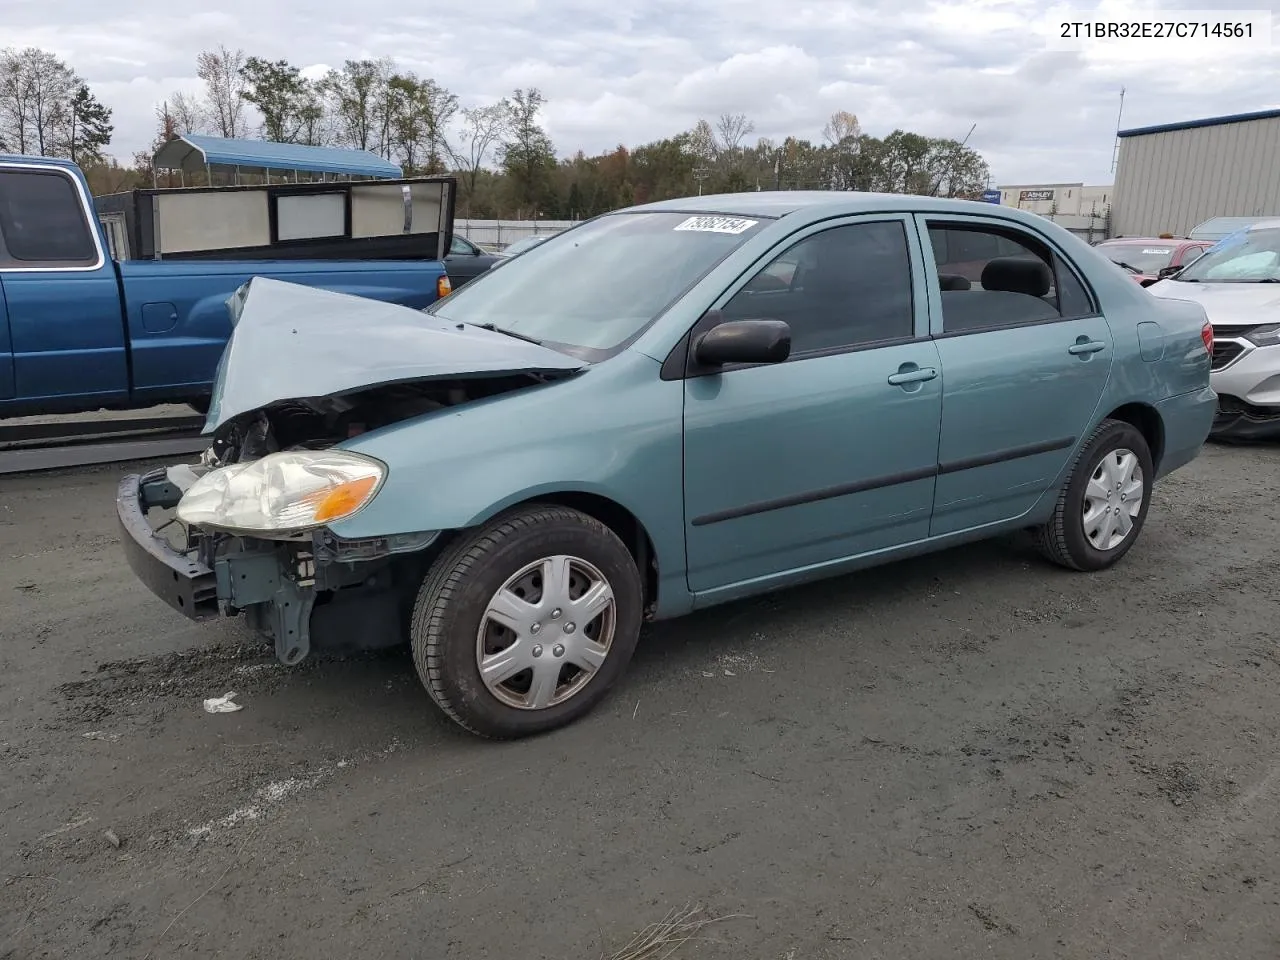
point(508, 333)
point(1128, 266)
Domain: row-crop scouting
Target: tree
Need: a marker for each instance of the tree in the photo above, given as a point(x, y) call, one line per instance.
point(482, 129)
point(282, 96)
point(36, 89)
point(187, 113)
point(527, 154)
point(354, 92)
point(841, 127)
point(222, 71)
point(421, 111)
point(731, 128)
point(87, 128)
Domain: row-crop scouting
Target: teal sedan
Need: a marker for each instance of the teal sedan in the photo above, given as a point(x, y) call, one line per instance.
point(662, 409)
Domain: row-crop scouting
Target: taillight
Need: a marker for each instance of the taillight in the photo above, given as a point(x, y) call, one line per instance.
point(1206, 334)
point(443, 286)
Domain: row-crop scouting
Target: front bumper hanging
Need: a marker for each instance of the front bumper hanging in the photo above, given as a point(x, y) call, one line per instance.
point(179, 578)
point(326, 591)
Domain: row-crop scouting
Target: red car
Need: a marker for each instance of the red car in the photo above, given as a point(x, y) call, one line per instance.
point(1146, 257)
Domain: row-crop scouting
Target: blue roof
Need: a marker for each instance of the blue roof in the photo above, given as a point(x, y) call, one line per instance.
point(1206, 122)
point(191, 152)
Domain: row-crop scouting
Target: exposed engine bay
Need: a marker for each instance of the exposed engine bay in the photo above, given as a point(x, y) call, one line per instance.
point(320, 422)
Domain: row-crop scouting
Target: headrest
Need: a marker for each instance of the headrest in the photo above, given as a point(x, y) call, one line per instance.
point(1027, 275)
point(953, 281)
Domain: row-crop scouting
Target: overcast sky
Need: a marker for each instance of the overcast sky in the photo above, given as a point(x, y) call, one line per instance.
point(931, 66)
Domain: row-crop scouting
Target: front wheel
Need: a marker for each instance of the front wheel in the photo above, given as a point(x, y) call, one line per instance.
point(524, 626)
point(1103, 505)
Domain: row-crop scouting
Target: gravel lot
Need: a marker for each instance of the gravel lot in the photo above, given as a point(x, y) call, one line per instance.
point(972, 754)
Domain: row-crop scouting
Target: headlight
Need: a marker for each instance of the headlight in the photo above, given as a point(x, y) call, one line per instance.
point(283, 492)
point(1267, 335)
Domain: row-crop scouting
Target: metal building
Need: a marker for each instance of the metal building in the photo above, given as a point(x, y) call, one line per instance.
point(1173, 176)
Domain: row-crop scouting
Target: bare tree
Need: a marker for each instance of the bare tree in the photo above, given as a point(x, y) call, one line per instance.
point(222, 71)
point(187, 113)
point(731, 128)
point(842, 126)
point(482, 129)
point(36, 89)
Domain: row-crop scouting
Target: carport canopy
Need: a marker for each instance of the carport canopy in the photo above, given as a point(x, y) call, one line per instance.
point(196, 153)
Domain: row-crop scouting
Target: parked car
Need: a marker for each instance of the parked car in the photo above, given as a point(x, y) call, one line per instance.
point(516, 481)
point(1238, 284)
point(1149, 259)
point(80, 330)
point(1218, 228)
point(466, 261)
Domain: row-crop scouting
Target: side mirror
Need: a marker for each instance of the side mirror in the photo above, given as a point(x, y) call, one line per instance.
point(1167, 272)
point(743, 341)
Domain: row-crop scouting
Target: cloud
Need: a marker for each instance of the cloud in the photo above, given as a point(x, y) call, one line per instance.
point(650, 69)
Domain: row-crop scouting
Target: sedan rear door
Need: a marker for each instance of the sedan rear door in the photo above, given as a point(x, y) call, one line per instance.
point(1027, 355)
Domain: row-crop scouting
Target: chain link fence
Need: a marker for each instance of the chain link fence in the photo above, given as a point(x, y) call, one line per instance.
point(497, 234)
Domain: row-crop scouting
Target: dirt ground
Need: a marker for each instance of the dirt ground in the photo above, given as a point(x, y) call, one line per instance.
point(972, 754)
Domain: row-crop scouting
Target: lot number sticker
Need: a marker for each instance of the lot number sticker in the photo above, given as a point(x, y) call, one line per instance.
point(717, 224)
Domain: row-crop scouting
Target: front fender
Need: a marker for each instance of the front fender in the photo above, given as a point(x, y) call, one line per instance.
point(614, 431)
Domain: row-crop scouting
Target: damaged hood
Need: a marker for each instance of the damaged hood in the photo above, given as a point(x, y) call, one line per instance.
point(293, 342)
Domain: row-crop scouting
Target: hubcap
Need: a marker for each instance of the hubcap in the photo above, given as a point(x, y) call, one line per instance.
point(546, 632)
point(1113, 499)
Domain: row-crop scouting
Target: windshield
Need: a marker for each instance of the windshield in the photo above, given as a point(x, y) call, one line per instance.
point(1250, 256)
point(598, 285)
point(1141, 257)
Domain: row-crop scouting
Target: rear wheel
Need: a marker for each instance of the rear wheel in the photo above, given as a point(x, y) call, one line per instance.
point(524, 626)
point(1103, 506)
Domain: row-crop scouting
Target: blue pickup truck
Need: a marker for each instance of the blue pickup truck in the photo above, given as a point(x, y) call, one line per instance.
point(82, 330)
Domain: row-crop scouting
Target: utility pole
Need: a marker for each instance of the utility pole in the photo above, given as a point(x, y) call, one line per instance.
point(1115, 150)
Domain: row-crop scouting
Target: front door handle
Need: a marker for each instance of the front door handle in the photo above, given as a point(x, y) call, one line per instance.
point(913, 375)
point(1083, 347)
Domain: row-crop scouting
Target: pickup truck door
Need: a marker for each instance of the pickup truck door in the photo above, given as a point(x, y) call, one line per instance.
point(6, 350)
point(65, 334)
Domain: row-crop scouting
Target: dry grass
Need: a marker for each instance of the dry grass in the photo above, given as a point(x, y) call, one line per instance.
point(662, 939)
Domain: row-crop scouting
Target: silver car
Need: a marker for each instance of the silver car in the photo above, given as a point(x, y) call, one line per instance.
point(1237, 281)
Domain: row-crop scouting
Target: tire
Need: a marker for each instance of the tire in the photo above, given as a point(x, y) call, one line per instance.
point(452, 608)
point(1063, 539)
point(200, 406)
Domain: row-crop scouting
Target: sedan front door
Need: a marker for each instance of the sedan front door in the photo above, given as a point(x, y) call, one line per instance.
point(795, 466)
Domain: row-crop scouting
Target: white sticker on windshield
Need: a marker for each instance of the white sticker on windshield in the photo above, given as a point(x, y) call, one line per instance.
point(733, 225)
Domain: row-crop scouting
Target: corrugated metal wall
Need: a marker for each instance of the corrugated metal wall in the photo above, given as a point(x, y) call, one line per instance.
point(1169, 182)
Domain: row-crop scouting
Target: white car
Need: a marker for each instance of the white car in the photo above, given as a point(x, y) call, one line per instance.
point(1237, 281)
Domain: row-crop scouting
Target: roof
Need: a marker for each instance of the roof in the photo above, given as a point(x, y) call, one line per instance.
point(826, 203)
point(192, 152)
point(36, 161)
point(1206, 122)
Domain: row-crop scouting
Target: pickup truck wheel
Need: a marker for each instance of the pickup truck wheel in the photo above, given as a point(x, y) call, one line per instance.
point(200, 406)
point(1103, 505)
point(524, 626)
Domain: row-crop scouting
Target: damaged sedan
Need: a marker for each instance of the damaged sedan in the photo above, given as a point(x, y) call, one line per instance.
point(732, 395)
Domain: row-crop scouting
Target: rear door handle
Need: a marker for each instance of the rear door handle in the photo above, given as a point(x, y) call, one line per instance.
point(1085, 347)
point(918, 375)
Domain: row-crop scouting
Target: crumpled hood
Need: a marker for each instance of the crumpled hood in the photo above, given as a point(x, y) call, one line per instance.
point(1227, 304)
point(294, 342)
